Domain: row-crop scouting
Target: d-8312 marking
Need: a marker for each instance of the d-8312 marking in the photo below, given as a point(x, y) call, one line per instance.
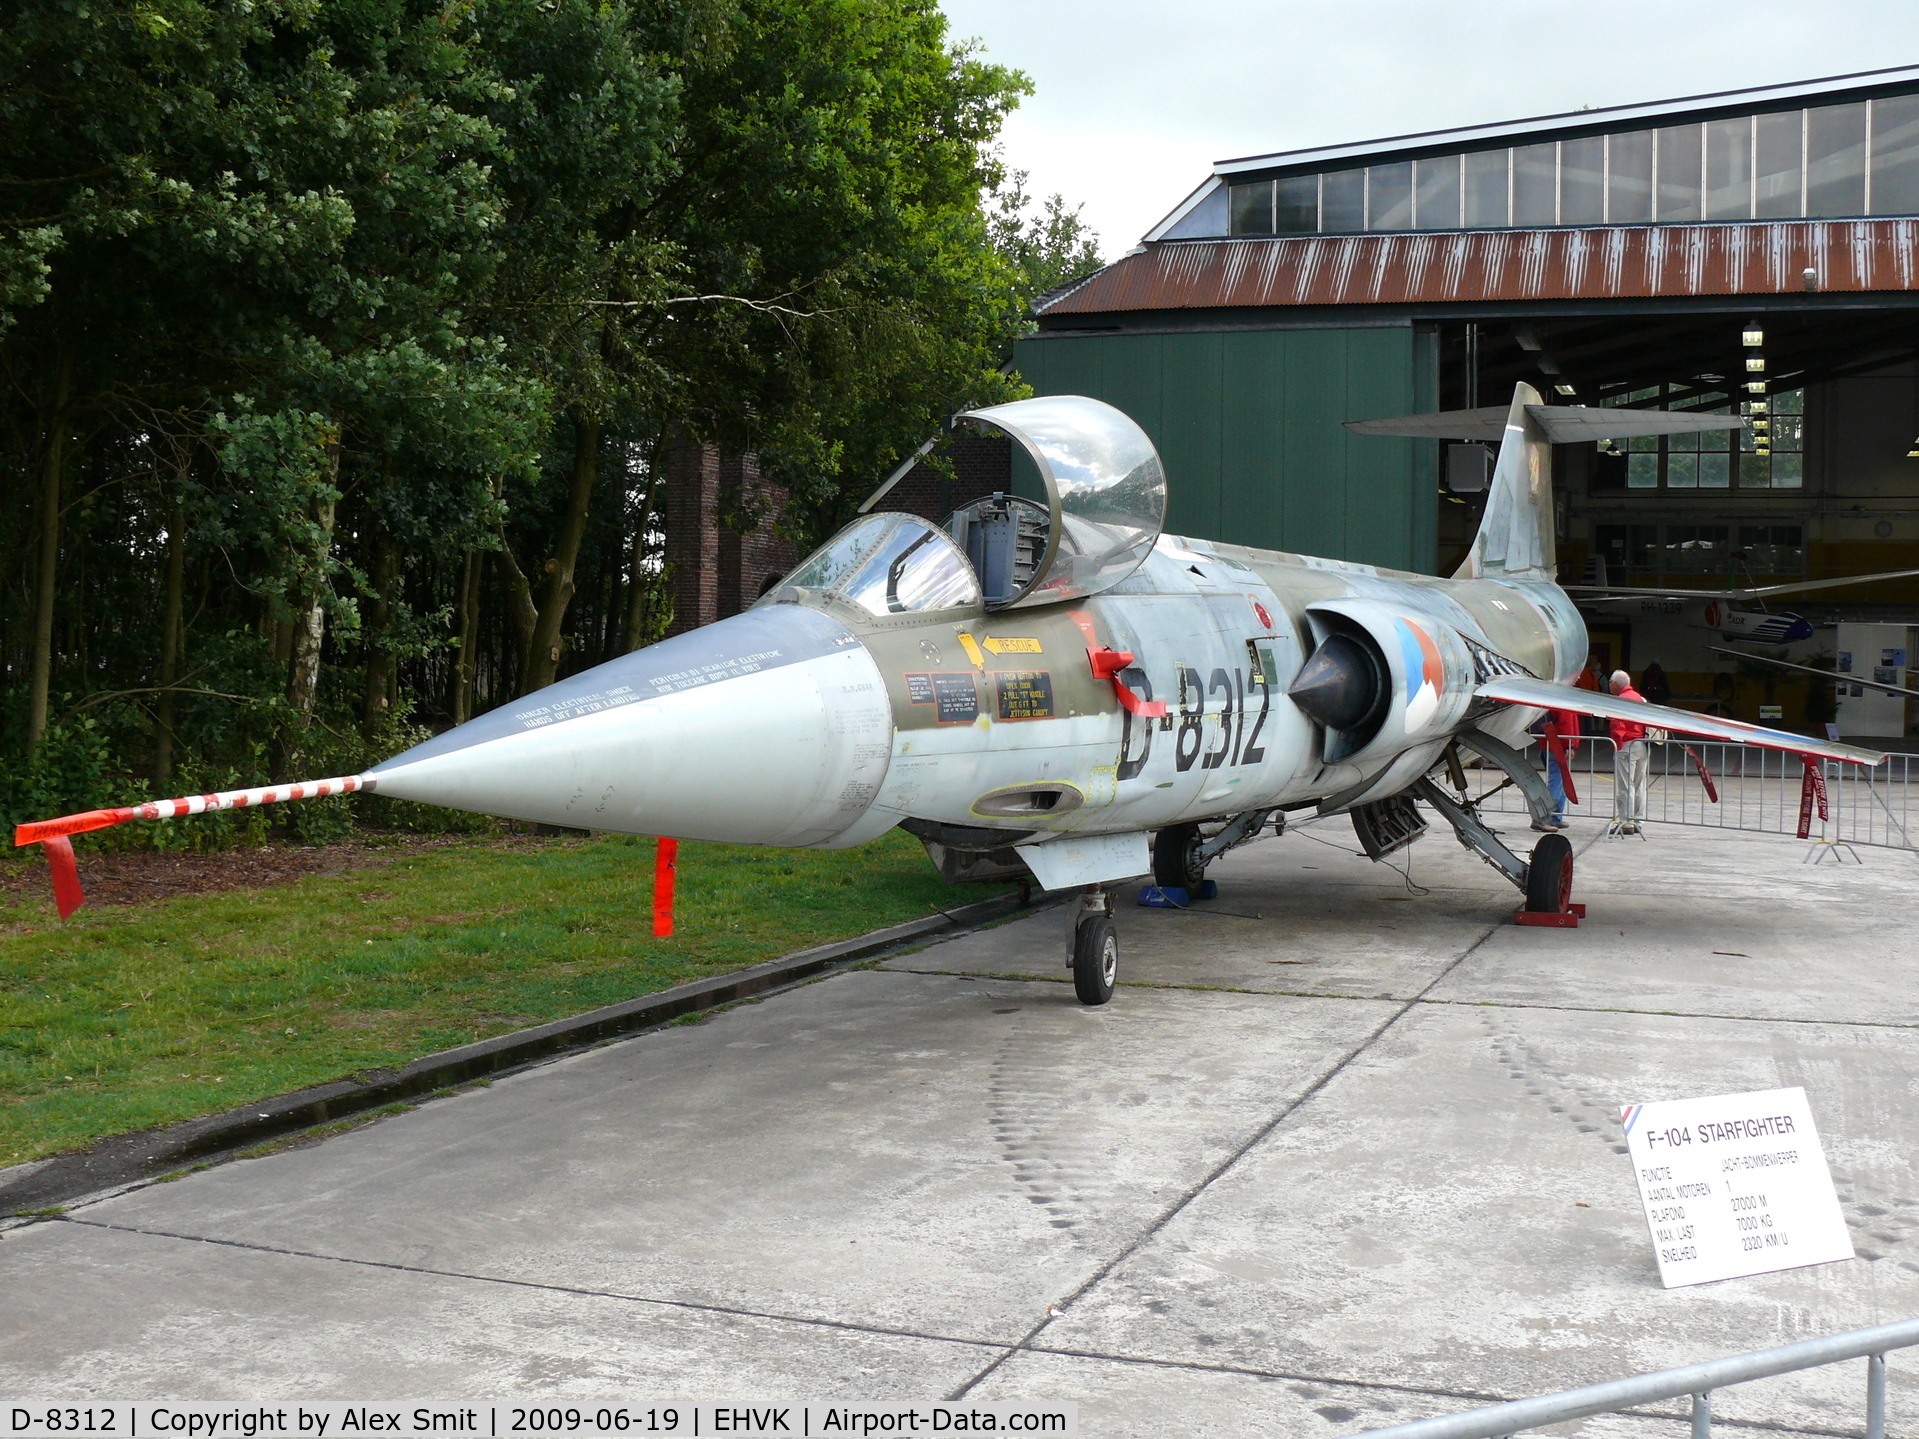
point(1237, 743)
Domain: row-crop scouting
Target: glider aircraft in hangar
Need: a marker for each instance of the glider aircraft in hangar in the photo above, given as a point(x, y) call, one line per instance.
point(1045, 686)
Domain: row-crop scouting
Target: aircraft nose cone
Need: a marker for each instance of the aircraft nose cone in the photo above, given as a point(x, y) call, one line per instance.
point(1339, 685)
point(771, 727)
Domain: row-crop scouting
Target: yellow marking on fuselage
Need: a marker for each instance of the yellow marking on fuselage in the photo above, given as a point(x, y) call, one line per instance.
point(971, 646)
point(1011, 645)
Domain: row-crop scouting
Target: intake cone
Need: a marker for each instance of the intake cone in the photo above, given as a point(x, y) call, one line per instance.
point(1342, 685)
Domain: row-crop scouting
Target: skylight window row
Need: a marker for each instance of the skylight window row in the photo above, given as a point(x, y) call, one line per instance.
point(1831, 161)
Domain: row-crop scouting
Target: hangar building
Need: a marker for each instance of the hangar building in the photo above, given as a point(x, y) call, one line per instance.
point(1754, 251)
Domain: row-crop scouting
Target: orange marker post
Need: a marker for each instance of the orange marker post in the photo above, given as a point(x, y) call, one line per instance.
point(665, 860)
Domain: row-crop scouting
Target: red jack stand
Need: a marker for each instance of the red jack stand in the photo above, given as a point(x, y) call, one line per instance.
point(1568, 918)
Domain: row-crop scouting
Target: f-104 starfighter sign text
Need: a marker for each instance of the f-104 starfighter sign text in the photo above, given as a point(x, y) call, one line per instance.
point(1734, 1185)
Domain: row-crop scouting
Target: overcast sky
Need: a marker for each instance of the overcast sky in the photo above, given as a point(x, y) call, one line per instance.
point(1135, 100)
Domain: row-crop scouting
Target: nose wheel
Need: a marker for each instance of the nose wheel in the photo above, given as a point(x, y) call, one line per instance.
point(1095, 959)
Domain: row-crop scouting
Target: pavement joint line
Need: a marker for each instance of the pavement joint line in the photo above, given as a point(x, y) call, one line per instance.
point(1056, 1351)
point(1157, 984)
point(1422, 1391)
point(1663, 1013)
point(114, 1164)
point(1220, 1169)
point(1207, 1180)
point(545, 1286)
point(1420, 999)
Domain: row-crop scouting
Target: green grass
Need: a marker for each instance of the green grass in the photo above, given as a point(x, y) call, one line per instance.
point(125, 1018)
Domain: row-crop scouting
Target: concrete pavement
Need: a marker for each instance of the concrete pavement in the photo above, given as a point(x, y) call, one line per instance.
point(1339, 1154)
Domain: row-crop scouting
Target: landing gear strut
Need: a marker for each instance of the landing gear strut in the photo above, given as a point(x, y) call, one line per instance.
point(1547, 881)
point(1095, 960)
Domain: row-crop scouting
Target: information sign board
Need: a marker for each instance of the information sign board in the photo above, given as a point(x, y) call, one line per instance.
point(1734, 1185)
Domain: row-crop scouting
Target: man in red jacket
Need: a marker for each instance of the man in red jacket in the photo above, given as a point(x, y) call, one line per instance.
point(1629, 762)
point(1560, 740)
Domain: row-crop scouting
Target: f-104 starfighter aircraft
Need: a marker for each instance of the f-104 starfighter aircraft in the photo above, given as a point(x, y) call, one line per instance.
point(1041, 687)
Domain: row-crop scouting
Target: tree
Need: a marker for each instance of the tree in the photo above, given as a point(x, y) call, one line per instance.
point(342, 339)
point(1047, 249)
point(841, 294)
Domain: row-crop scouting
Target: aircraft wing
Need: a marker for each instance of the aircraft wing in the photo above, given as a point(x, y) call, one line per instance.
point(1608, 593)
point(1563, 424)
point(1542, 694)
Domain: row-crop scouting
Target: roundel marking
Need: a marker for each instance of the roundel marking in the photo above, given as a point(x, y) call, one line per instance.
point(1425, 672)
point(1265, 615)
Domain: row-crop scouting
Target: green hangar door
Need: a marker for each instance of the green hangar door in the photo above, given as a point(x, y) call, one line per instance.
point(1248, 424)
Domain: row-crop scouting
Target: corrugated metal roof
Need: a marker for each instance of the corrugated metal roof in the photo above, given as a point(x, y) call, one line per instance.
point(1619, 262)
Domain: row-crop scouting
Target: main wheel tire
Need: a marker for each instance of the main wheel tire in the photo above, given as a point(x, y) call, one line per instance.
point(1173, 863)
point(1549, 878)
point(1095, 959)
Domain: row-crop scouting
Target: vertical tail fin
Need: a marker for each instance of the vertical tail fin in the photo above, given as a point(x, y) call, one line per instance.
point(1516, 531)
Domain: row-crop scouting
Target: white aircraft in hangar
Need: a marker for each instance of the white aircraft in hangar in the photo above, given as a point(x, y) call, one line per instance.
point(1054, 687)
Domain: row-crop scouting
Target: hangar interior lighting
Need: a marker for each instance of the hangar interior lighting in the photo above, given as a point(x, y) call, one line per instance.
point(1753, 337)
point(1756, 364)
point(1755, 387)
point(1565, 389)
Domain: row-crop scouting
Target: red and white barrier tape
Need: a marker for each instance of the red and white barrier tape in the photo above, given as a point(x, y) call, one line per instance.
point(1812, 792)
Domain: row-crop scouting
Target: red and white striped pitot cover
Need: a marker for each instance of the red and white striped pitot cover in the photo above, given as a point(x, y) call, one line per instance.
point(93, 819)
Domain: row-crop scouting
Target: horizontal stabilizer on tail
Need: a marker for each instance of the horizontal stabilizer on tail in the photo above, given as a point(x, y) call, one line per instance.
point(1515, 539)
point(1561, 424)
point(1606, 594)
point(1543, 694)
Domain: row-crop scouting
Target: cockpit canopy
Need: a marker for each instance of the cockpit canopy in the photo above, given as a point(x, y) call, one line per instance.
point(1105, 505)
point(1105, 501)
point(888, 565)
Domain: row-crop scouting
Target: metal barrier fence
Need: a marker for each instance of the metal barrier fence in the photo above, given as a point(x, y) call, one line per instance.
point(1503, 1421)
point(1761, 790)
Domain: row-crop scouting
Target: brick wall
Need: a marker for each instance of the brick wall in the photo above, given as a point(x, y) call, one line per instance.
point(981, 465)
point(718, 569)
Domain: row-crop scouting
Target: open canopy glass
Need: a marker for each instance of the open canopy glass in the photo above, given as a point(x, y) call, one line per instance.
point(1105, 494)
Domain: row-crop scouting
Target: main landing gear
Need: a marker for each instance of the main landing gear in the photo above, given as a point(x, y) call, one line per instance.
point(1546, 879)
point(1181, 853)
point(1549, 876)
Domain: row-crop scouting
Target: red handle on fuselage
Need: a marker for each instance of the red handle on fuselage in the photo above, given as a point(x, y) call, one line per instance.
point(1108, 665)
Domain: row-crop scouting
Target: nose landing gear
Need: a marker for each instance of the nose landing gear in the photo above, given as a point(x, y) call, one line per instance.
point(1095, 957)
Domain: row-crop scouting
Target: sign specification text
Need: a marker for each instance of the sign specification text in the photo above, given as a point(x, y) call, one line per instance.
point(1734, 1185)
